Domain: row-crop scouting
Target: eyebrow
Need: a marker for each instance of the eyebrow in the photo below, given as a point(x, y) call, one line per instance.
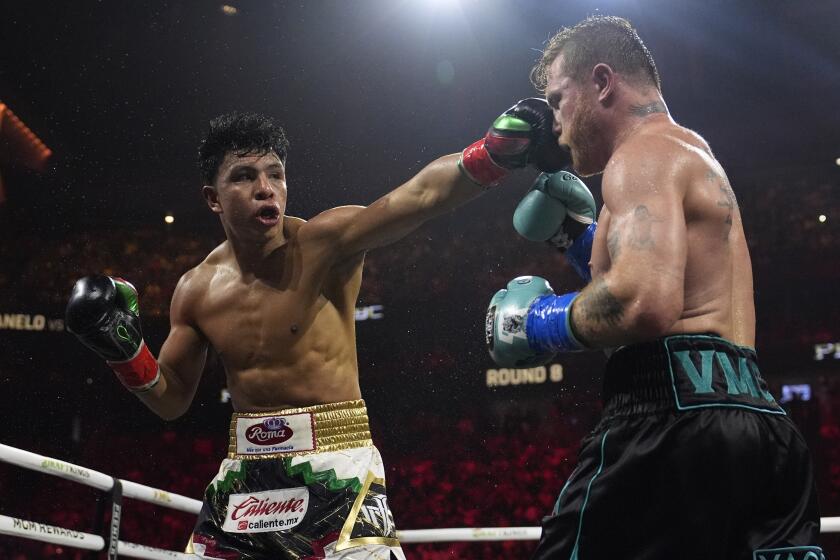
point(240, 167)
point(250, 167)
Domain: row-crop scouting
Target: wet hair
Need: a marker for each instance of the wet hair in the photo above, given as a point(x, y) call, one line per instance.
point(608, 39)
point(242, 134)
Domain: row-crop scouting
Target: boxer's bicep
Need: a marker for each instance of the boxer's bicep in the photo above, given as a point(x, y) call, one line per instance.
point(182, 358)
point(641, 295)
point(647, 240)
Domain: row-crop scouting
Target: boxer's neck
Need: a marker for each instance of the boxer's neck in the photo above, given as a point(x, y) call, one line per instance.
point(255, 258)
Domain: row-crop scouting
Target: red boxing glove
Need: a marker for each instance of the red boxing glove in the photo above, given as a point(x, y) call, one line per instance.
point(521, 136)
point(139, 373)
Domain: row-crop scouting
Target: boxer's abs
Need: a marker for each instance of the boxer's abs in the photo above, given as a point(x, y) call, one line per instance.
point(261, 389)
point(282, 349)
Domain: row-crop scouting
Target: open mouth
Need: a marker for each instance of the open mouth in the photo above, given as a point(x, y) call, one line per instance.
point(268, 215)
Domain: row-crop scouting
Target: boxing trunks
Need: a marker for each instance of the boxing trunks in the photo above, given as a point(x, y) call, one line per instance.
point(692, 459)
point(304, 484)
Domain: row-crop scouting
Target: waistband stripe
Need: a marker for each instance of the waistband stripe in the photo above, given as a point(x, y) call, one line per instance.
point(685, 372)
point(297, 431)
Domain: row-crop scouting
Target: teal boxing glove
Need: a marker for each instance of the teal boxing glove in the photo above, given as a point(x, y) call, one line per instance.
point(560, 209)
point(526, 324)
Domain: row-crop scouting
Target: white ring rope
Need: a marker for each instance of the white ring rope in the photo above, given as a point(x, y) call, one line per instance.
point(89, 477)
point(469, 534)
point(77, 539)
point(68, 537)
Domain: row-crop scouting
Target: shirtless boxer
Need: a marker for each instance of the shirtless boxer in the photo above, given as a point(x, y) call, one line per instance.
point(693, 458)
point(277, 301)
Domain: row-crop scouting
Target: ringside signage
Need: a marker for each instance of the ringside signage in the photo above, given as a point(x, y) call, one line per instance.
point(504, 377)
point(29, 322)
point(827, 351)
point(40, 322)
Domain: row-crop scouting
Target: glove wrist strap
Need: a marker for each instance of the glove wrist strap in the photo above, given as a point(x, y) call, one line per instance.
point(548, 325)
point(580, 251)
point(140, 373)
point(479, 167)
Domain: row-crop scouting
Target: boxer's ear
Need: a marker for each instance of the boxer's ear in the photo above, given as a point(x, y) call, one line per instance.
point(211, 196)
point(603, 79)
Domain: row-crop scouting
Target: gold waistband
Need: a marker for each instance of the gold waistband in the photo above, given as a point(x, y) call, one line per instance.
point(336, 426)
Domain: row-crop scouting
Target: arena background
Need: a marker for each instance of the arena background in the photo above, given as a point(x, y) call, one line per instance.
point(369, 92)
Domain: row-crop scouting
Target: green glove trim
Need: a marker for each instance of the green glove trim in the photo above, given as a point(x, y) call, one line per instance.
point(509, 122)
point(128, 294)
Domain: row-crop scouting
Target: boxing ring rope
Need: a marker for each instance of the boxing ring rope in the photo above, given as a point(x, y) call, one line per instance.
point(67, 537)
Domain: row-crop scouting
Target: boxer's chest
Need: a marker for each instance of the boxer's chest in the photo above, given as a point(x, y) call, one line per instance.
point(270, 322)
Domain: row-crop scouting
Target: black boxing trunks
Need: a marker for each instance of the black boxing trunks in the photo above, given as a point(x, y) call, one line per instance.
point(304, 484)
point(692, 459)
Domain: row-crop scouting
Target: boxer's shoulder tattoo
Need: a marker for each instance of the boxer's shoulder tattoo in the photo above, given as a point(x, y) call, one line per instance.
point(614, 243)
point(641, 236)
point(726, 199)
point(648, 109)
point(601, 306)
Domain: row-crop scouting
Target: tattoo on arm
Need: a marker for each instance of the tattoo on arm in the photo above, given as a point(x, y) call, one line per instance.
point(614, 243)
point(597, 307)
point(641, 236)
point(726, 200)
point(649, 109)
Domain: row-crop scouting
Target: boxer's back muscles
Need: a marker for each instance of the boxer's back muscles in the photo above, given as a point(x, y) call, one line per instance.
point(696, 198)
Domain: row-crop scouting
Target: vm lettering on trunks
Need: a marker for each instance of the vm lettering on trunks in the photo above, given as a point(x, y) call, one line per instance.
point(742, 381)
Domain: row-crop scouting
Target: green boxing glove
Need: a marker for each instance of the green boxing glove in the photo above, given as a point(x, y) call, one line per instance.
point(560, 209)
point(505, 324)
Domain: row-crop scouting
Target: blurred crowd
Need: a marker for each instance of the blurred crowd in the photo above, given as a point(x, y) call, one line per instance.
point(794, 257)
point(477, 466)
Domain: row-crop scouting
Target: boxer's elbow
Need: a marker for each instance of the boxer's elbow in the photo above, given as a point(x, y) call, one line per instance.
point(170, 414)
point(166, 410)
point(166, 400)
point(653, 313)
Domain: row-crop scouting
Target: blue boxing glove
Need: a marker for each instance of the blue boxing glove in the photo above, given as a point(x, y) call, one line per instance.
point(560, 209)
point(526, 324)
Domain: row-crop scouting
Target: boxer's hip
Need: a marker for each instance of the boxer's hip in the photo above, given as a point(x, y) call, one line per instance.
point(299, 481)
point(298, 431)
point(690, 437)
point(682, 373)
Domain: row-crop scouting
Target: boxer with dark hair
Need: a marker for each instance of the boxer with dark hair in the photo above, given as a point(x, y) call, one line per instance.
point(277, 301)
point(693, 457)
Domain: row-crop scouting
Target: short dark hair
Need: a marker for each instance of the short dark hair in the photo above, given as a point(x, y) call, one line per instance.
point(608, 39)
point(242, 134)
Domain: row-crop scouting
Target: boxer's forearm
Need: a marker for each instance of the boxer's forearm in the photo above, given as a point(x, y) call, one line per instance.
point(169, 399)
point(436, 189)
point(605, 315)
point(439, 187)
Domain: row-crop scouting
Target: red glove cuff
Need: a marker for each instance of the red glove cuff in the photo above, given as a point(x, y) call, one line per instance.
point(140, 373)
point(479, 167)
